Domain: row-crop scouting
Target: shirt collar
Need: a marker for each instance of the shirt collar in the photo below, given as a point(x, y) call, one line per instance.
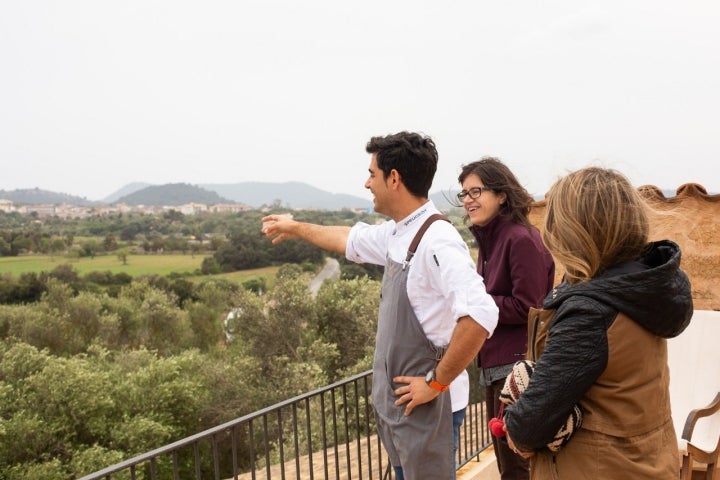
point(415, 219)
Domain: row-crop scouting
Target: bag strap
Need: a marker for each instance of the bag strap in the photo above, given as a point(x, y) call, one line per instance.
point(418, 236)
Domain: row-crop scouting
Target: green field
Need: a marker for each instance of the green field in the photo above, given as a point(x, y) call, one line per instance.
point(136, 265)
point(245, 275)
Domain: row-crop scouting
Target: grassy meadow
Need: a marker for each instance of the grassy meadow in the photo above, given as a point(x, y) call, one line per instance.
point(146, 264)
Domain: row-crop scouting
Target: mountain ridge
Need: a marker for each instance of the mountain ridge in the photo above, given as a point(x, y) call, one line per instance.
point(287, 194)
point(296, 195)
point(37, 196)
point(291, 195)
point(172, 194)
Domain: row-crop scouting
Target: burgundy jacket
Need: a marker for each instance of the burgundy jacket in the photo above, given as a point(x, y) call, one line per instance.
point(518, 272)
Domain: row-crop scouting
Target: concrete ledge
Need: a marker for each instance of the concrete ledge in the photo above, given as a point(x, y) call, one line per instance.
point(485, 468)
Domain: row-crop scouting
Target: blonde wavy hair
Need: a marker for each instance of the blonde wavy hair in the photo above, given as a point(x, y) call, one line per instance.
point(594, 219)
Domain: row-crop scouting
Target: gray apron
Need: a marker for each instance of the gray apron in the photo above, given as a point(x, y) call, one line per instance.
point(421, 443)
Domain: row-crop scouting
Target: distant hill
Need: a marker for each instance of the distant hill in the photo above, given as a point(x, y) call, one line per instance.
point(35, 196)
point(124, 191)
point(172, 194)
point(288, 194)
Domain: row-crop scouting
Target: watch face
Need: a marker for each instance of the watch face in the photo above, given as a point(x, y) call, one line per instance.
point(430, 376)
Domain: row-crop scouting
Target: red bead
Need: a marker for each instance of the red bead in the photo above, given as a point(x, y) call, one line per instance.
point(496, 427)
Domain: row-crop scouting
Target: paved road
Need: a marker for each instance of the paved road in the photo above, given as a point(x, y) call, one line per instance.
point(331, 271)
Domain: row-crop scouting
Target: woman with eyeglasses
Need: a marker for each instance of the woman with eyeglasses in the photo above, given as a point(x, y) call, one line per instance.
point(518, 272)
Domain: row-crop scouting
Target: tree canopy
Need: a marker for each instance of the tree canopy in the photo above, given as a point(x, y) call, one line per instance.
point(88, 379)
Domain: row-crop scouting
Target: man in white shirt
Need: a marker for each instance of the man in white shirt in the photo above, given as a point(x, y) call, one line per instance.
point(434, 312)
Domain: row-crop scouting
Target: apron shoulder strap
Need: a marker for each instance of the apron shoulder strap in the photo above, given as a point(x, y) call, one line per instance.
point(418, 236)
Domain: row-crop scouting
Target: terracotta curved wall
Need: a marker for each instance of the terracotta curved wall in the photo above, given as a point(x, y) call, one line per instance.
point(691, 219)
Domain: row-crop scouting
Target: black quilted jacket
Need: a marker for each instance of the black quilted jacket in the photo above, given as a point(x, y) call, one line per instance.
point(652, 291)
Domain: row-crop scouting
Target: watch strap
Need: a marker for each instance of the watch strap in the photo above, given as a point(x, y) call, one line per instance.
point(433, 383)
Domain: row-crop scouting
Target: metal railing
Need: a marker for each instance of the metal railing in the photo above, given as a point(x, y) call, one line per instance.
point(326, 433)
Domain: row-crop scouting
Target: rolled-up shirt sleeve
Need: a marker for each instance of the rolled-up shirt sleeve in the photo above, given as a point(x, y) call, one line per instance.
point(461, 283)
point(368, 243)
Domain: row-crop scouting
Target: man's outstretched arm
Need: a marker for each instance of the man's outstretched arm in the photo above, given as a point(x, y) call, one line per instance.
point(328, 237)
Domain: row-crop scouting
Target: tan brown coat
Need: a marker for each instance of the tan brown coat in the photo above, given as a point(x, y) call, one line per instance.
point(627, 430)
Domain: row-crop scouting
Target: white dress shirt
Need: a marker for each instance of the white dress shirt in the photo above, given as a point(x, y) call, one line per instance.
point(443, 283)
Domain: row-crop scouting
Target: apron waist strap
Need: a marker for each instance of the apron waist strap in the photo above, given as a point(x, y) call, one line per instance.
point(439, 352)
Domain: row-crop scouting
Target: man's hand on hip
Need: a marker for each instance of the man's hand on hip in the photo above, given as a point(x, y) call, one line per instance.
point(414, 392)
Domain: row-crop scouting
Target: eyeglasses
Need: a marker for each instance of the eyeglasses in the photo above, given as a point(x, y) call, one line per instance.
point(473, 193)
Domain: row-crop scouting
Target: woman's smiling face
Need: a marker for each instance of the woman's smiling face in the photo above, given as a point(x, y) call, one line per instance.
point(486, 206)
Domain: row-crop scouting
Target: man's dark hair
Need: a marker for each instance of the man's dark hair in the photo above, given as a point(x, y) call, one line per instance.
point(414, 157)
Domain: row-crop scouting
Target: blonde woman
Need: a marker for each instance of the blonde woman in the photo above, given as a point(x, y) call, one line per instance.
point(600, 339)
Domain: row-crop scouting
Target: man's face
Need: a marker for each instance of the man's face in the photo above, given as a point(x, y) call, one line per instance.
point(377, 186)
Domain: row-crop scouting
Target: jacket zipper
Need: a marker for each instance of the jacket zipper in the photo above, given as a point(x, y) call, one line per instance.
point(536, 322)
point(483, 251)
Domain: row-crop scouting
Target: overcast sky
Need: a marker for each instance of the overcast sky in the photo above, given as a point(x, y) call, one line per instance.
point(96, 94)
